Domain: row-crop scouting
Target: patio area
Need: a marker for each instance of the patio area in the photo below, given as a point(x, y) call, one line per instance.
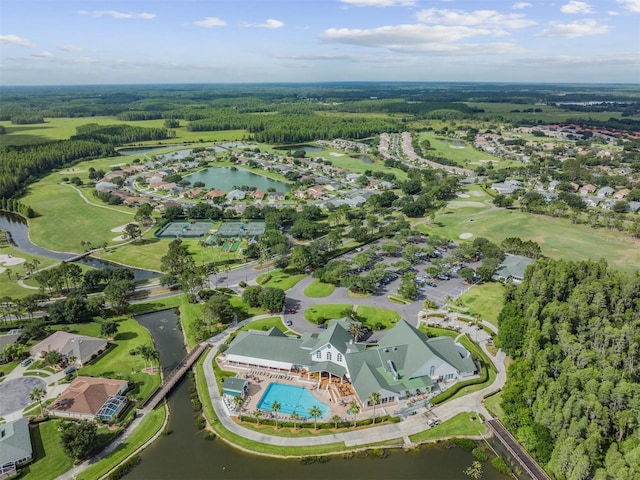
point(335, 393)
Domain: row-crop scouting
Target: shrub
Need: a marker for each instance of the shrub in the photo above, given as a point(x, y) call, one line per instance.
point(479, 454)
point(200, 422)
point(500, 465)
point(125, 468)
point(464, 443)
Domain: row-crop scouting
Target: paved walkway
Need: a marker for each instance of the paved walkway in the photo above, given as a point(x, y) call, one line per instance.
point(363, 436)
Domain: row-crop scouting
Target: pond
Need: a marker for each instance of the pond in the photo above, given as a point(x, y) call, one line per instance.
point(306, 148)
point(364, 158)
point(227, 178)
point(187, 454)
point(141, 150)
point(453, 143)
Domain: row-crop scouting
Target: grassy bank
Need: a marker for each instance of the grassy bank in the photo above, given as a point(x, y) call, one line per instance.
point(485, 301)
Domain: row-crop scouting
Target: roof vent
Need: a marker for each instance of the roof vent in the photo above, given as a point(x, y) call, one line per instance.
point(395, 348)
point(386, 350)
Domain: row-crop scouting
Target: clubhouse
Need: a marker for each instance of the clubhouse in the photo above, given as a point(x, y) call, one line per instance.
point(405, 361)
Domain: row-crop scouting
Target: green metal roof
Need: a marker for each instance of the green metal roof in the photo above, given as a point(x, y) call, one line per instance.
point(333, 368)
point(513, 266)
point(15, 441)
point(269, 346)
point(234, 385)
point(451, 353)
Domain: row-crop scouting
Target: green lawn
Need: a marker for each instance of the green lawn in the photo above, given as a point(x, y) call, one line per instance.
point(317, 289)
point(10, 288)
point(557, 237)
point(117, 362)
point(327, 311)
point(49, 457)
point(485, 301)
point(492, 404)
point(280, 279)
point(462, 424)
point(375, 315)
point(147, 429)
point(466, 156)
point(264, 324)
point(6, 368)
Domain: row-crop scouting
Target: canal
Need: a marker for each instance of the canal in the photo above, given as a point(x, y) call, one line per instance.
point(187, 454)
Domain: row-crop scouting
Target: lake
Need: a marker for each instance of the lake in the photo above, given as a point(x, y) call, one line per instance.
point(306, 148)
point(226, 178)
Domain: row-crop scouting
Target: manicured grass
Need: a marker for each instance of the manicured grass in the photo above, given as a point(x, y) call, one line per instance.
point(462, 424)
point(492, 404)
point(243, 310)
point(326, 311)
point(280, 279)
point(374, 315)
point(10, 288)
point(264, 324)
point(189, 316)
point(117, 362)
point(49, 457)
point(467, 156)
point(157, 304)
point(317, 289)
point(147, 429)
point(6, 368)
point(557, 237)
point(485, 300)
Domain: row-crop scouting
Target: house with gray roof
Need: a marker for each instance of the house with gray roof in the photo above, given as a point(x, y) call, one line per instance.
point(405, 360)
point(82, 347)
point(512, 268)
point(606, 192)
point(15, 446)
point(9, 338)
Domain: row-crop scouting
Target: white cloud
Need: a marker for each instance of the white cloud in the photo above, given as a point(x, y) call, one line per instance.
point(435, 40)
point(118, 15)
point(12, 39)
point(209, 22)
point(573, 30)
point(380, 3)
point(631, 5)
point(613, 13)
point(70, 48)
point(476, 18)
point(575, 6)
point(44, 55)
point(521, 5)
point(270, 23)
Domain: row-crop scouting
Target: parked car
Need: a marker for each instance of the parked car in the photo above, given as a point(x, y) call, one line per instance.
point(26, 362)
point(292, 310)
point(288, 323)
point(70, 369)
point(432, 284)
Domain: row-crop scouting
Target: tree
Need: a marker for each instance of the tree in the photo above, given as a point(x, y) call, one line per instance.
point(219, 309)
point(52, 358)
point(466, 273)
point(374, 399)
point(116, 293)
point(300, 256)
point(621, 206)
point(252, 295)
point(238, 401)
point(257, 413)
point(37, 395)
point(335, 419)
point(315, 412)
point(275, 408)
point(354, 409)
point(355, 330)
point(408, 288)
point(295, 416)
point(272, 299)
point(71, 360)
point(132, 232)
point(79, 438)
point(109, 328)
point(143, 215)
point(177, 258)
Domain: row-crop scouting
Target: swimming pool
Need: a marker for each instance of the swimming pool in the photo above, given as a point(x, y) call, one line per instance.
point(291, 399)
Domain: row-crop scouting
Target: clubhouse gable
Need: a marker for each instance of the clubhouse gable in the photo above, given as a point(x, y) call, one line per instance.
point(405, 360)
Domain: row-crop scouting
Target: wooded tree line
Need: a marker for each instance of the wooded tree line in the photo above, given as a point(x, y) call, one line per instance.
point(572, 395)
point(118, 134)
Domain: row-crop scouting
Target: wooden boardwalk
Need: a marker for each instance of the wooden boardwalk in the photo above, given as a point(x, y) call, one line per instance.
point(517, 452)
point(174, 377)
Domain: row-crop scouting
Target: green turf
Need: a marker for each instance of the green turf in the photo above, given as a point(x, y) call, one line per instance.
point(326, 311)
point(117, 362)
point(265, 324)
point(485, 301)
point(49, 457)
point(281, 279)
point(492, 404)
point(11, 288)
point(467, 156)
point(375, 315)
point(317, 289)
point(461, 425)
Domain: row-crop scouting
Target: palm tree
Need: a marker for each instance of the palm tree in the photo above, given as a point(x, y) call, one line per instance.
point(335, 419)
point(238, 401)
point(37, 395)
point(71, 359)
point(275, 408)
point(374, 399)
point(295, 417)
point(315, 413)
point(257, 413)
point(354, 409)
point(355, 330)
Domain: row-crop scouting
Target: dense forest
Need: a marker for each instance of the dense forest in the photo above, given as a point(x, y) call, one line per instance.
point(572, 396)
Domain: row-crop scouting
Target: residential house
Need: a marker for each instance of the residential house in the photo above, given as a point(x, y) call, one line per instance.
point(405, 359)
point(606, 192)
point(106, 186)
point(9, 338)
point(88, 398)
point(277, 196)
point(213, 194)
point(315, 192)
point(507, 187)
point(236, 195)
point(352, 177)
point(136, 201)
point(192, 193)
point(15, 446)
point(634, 206)
point(592, 201)
point(621, 194)
point(258, 195)
point(82, 347)
point(588, 189)
point(512, 268)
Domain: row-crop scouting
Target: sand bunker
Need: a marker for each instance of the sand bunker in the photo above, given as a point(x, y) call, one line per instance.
point(465, 204)
point(466, 235)
point(10, 260)
point(119, 238)
point(462, 195)
point(119, 229)
point(336, 154)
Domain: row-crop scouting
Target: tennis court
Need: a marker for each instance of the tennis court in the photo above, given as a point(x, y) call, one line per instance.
point(241, 229)
point(184, 230)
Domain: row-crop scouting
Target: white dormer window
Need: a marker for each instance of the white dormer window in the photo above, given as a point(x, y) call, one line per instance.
point(328, 355)
point(319, 355)
point(339, 357)
point(432, 370)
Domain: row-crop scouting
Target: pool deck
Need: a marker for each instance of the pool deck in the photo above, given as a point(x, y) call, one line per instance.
point(259, 380)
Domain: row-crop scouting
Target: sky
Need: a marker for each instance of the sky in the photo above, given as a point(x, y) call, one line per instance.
point(69, 42)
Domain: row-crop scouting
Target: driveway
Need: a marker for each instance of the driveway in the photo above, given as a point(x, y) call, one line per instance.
point(14, 393)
